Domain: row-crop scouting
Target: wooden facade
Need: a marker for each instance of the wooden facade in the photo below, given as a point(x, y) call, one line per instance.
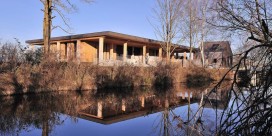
point(218, 54)
point(109, 48)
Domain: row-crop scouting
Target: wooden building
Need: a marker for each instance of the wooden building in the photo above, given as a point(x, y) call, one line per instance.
point(109, 48)
point(218, 54)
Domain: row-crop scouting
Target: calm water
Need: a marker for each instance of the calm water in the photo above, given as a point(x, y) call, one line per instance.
point(138, 112)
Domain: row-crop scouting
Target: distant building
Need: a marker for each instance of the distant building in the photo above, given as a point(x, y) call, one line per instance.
point(218, 54)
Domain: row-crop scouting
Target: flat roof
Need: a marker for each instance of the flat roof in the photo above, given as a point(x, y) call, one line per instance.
point(106, 34)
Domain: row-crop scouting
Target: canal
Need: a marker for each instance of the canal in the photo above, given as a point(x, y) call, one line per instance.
point(179, 110)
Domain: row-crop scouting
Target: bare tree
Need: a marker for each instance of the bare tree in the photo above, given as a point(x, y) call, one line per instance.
point(246, 16)
point(167, 13)
point(58, 6)
point(194, 26)
point(249, 112)
point(203, 7)
point(191, 23)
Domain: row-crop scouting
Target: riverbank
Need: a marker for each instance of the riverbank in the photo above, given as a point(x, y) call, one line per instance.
point(57, 76)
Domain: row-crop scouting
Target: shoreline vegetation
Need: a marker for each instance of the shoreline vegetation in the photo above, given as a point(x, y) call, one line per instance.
point(30, 72)
point(57, 76)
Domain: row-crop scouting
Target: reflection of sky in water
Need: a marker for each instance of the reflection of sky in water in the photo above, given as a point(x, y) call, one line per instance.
point(138, 126)
point(141, 126)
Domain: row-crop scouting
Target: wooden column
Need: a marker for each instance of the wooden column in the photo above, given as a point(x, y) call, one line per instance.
point(147, 51)
point(99, 109)
point(125, 52)
point(58, 51)
point(192, 56)
point(67, 51)
point(160, 53)
point(123, 105)
point(78, 45)
point(143, 101)
point(32, 47)
point(144, 53)
point(111, 52)
point(114, 52)
point(184, 59)
point(100, 49)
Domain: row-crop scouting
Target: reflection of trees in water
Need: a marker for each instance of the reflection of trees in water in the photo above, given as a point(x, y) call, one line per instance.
point(118, 102)
point(190, 121)
point(249, 111)
point(45, 111)
point(164, 125)
point(41, 111)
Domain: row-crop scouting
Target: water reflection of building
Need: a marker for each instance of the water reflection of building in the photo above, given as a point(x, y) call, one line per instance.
point(108, 112)
point(41, 111)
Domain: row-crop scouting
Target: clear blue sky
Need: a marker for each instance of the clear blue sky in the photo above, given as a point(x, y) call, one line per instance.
point(22, 19)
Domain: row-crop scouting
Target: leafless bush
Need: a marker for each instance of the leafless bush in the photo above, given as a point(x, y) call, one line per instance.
point(36, 72)
point(164, 75)
point(10, 56)
point(13, 54)
point(198, 77)
point(249, 111)
point(123, 76)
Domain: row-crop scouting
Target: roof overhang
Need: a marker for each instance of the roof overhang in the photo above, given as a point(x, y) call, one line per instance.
point(106, 35)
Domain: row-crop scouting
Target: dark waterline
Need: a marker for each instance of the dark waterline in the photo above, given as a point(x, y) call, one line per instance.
point(143, 111)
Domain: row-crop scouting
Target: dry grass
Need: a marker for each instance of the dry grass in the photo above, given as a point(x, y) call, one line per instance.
point(53, 76)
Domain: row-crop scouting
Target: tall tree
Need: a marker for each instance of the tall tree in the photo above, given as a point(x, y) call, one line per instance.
point(204, 5)
point(194, 26)
point(190, 23)
point(167, 13)
point(47, 21)
point(59, 6)
point(201, 46)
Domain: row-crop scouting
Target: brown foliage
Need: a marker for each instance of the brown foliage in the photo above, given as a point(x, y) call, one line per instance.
point(28, 74)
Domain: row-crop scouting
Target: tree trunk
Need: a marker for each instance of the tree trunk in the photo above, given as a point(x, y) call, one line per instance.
point(168, 52)
point(202, 53)
point(202, 37)
point(45, 128)
point(191, 33)
point(47, 25)
point(204, 10)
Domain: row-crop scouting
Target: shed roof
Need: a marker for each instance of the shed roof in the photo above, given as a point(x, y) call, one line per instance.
point(218, 46)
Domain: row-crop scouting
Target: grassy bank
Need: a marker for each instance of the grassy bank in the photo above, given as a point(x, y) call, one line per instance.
point(31, 72)
point(55, 76)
